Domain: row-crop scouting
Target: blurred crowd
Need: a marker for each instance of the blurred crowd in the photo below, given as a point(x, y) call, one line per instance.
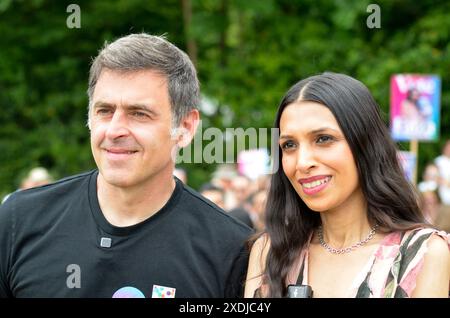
point(36, 177)
point(434, 190)
point(243, 197)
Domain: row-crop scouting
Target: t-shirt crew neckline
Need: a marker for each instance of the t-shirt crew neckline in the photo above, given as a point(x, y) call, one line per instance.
point(127, 230)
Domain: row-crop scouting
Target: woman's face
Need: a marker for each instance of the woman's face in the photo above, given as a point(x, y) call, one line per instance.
point(316, 157)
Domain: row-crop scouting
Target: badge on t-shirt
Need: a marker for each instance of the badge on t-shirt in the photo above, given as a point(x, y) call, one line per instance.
point(163, 292)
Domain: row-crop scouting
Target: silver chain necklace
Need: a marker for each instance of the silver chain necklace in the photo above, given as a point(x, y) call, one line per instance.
point(346, 249)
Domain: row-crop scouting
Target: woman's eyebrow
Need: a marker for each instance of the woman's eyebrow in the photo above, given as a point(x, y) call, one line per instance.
point(312, 132)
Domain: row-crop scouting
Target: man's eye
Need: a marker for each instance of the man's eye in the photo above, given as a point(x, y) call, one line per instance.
point(103, 111)
point(324, 139)
point(139, 114)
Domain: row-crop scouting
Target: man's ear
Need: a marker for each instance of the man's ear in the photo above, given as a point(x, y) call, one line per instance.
point(188, 127)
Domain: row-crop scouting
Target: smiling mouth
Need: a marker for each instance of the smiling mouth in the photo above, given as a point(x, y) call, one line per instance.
point(315, 184)
point(121, 152)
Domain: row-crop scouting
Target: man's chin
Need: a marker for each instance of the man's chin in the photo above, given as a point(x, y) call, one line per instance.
point(117, 179)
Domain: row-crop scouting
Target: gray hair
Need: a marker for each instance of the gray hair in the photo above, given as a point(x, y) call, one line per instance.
point(144, 51)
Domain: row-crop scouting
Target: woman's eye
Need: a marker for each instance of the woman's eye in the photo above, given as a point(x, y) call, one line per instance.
point(324, 139)
point(287, 145)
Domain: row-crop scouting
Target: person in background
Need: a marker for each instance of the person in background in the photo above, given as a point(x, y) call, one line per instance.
point(442, 221)
point(428, 187)
point(241, 186)
point(36, 177)
point(340, 216)
point(251, 212)
point(223, 179)
point(430, 178)
point(263, 182)
point(213, 193)
point(257, 209)
point(430, 205)
point(443, 164)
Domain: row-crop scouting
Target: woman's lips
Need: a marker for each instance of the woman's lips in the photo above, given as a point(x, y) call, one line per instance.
point(314, 184)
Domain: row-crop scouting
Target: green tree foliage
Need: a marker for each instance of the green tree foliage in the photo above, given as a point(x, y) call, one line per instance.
point(247, 52)
point(44, 68)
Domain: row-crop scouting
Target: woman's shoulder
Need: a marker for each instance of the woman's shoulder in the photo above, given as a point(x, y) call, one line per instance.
point(416, 236)
point(404, 255)
point(426, 235)
point(421, 242)
point(437, 242)
point(428, 252)
point(408, 248)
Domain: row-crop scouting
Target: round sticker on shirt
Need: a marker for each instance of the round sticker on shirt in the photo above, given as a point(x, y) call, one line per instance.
point(128, 292)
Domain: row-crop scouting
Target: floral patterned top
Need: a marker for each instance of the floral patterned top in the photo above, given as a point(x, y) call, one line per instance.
point(391, 271)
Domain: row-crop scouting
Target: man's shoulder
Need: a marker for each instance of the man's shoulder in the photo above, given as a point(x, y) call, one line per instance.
point(47, 193)
point(210, 211)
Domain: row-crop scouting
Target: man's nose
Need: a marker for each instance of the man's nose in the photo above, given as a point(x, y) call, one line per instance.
point(118, 126)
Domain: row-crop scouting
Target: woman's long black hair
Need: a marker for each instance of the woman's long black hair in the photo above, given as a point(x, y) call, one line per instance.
point(391, 200)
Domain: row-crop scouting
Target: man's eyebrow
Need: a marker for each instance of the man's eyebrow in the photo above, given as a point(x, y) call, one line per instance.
point(137, 106)
point(142, 107)
point(103, 104)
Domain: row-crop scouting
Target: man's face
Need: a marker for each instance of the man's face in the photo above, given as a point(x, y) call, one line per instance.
point(130, 124)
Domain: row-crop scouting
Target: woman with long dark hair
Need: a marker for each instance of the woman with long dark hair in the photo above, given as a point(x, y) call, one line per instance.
point(340, 216)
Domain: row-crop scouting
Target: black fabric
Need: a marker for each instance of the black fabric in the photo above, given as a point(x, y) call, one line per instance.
point(189, 245)
point(242, 215)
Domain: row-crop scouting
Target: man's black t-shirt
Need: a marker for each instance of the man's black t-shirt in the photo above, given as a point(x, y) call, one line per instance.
point(56, 242)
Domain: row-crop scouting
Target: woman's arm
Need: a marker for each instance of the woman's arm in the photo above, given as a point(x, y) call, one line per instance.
point(433, 280)
point(256, 266)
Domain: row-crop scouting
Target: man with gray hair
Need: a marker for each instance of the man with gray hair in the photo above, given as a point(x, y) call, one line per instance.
point(128, 229)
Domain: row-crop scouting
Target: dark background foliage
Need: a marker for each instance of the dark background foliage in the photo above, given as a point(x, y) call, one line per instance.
point(247, 53)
